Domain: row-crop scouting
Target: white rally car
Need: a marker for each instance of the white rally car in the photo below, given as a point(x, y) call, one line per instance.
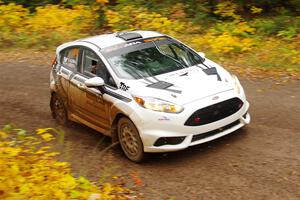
point(146, 90)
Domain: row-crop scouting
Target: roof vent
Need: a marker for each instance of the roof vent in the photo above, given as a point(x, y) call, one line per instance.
point(129, 36)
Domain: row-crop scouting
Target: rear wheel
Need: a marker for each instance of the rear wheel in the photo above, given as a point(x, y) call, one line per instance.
point(58, 109)
point(130, 140)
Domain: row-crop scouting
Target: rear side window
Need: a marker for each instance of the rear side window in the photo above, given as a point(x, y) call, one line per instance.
point(70, 58)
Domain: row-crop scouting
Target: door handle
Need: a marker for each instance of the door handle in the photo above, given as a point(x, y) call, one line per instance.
point(81, 85)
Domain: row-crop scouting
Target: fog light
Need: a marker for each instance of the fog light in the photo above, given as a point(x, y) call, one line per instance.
point(168, 140)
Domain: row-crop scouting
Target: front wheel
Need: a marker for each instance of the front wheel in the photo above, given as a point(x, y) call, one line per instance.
point(130, 140)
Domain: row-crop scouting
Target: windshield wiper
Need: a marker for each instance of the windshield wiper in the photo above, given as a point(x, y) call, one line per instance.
point(139, 75)
point(163, 53)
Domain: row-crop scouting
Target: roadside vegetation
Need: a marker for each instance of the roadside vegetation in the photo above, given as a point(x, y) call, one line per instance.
point(30, 170)
point(245, 35)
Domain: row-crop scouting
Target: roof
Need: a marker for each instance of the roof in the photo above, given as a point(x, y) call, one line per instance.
point(107, 40)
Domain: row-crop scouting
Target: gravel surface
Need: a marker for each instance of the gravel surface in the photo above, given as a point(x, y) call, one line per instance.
point(261, 161)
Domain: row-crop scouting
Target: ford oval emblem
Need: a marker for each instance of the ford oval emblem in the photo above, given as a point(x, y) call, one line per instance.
point(215, 98)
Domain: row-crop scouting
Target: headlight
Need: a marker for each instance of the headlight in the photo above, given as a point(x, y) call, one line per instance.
point(158, 105)
point(237, 85)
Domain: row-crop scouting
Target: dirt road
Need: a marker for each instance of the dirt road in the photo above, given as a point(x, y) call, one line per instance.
point(261, 161)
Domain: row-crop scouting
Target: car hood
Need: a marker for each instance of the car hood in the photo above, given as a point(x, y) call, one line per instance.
point(183, 86)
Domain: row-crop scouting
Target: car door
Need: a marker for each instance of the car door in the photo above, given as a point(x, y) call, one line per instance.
point(88, 103)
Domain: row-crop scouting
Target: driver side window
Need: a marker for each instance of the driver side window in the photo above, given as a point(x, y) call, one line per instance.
point(92, 66)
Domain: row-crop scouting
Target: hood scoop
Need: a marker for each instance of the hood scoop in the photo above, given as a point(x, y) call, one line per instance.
point(129, 36)
point(163, 86)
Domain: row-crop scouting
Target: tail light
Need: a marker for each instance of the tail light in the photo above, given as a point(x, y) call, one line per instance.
point(54, 62)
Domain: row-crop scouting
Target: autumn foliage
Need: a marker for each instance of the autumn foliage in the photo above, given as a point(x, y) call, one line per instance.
point(30, 170)
point(225, 30)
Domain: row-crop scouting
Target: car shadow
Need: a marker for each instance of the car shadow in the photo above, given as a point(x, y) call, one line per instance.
point(198, 150)
point(89, 140)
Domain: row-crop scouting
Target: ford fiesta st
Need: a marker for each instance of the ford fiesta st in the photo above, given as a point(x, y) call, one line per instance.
point(146, 90)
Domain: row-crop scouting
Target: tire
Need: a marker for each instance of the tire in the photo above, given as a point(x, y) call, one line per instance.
point(58, 109)
point(130, 140)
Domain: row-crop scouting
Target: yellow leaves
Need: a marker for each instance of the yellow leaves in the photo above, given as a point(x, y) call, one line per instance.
point(43, 130)
point(246, 44)
point(40, 152)
point(84, 183)
point(256, 10)
point(12, 19)
point(243, 27)
point(30, 171)
point(228, 37)
point(12, 14)
point(68, 182)
point(49, 24)
point(234, 36)
point(61, 164)
point(132, 18)
point(107, 188)
point(49, 20)
point(113, 17)
point(47, 137)
point(224, 43)
point(94, 196)
point(227, 9)
point(3, 135)
point(14, 169)
point(296, 59)
point(44, 133)
point(10, 151)
point(102, 1)
point(51, 154)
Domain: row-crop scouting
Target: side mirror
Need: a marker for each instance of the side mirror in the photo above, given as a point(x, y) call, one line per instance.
point(94, 82)
point(202, 54)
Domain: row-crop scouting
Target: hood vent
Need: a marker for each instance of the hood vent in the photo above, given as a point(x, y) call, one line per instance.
point(160, 85)
point(212, 71)
point(163, 86)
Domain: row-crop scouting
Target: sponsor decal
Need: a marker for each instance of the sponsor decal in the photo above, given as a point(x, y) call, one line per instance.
point(123, 86)
point(131, 43)
point(163, 118)
point(215, 98)
point(154, 39)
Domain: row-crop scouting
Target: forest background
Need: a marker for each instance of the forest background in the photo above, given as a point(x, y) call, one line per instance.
point(244, 35)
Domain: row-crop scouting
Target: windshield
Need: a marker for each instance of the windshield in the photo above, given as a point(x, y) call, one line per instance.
point(146, 58)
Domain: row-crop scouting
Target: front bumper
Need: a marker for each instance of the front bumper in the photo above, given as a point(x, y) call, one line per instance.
point(190, 138)
point(153, 125)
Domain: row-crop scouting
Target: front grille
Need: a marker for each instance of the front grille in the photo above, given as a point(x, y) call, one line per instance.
point(214, 112)
point(214, 132)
